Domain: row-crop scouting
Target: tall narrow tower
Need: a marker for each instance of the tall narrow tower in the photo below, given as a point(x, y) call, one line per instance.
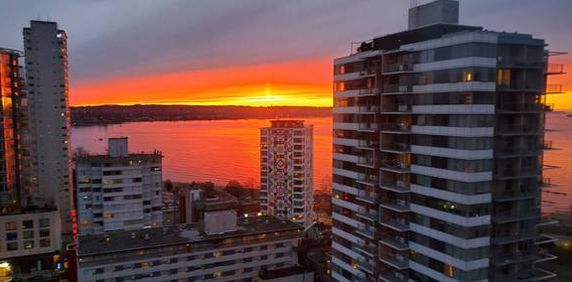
point(286, 162)
point(438, 145)
point(49, 125)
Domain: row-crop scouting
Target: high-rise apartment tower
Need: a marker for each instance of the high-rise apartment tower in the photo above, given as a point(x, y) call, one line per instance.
point(438, 145)
point(49, 119)
point(286, 178)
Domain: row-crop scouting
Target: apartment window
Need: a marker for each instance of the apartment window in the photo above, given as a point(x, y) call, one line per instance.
point(44, 243)
point(28, 245)
point(28, 224)
point(449, 270)
point(11, 225)
point(28, 234)
point(11, 236)
point(12, 246)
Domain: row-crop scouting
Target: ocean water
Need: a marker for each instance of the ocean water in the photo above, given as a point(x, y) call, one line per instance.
point(224, 150)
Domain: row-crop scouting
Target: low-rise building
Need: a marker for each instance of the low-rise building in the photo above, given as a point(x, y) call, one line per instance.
point(193, 252)
point(30, 241)
point(118, 190)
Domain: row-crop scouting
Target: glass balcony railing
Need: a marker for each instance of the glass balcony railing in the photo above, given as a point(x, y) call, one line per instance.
point(554, 89)
point(552, 69)
point(396, 127)
point(396, 186)
point(403, 67)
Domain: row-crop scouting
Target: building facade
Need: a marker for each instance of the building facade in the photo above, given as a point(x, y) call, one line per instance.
point(118, 190)
point(30, 245)
point(438, 145)
point(286, 178)
point(12, 90)
point(190, 253)
point(49, 120)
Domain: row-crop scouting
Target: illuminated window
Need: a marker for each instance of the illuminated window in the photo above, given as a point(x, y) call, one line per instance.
point(449, 270)
point(28, 245)
point(467, 76)
point(11, 225)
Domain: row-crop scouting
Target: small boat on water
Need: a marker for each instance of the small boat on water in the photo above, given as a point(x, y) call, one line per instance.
point(569, 115)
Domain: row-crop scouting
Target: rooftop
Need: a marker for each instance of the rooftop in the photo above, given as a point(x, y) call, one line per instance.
point(285, 123)
point(121, 241)
point(282, 272)
point(107, 158)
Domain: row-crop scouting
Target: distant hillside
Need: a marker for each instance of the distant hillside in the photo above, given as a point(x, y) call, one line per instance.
point(113, 114)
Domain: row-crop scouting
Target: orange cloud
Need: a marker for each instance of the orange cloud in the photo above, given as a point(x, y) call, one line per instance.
point(303, 82)
point(295, 83)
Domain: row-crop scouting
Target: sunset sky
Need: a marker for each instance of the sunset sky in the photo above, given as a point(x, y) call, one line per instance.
point(247, 52)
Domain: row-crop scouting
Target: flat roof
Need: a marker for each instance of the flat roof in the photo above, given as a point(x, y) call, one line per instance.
point(108, 158)
point(132, 240)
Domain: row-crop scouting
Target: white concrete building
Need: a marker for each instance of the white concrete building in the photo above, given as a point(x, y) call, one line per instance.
point(49, 119)
point(438, 144)
point(118, 190)
point(30, 242)
point(286, 177)
point(190, 253)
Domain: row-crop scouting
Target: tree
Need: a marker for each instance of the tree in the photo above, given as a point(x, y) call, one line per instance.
point(234, 188)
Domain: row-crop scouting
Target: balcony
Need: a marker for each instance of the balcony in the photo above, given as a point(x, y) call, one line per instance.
point(368, 92)
point(397, 89)
point(520, 108)
point(367, 161)
point(536, 274)
point(517, 151)
point(516, 195)
point(367, 196)
point(516, 215)
point(503, 239)
point(367, 249)
point(367, 179)
point(395, 166)
point(546, 182)
point(370, 215)
point(397, 186)
point(366, 231)
point(396, 243)
point(398, 205)
point(394, 260)
point(397, 224)
point(397, 109)
point(554, 89)
point(392, 277)
point(513, 258)
point(545, 239)
point(367, 144)
point(397, 148)
point(367, 265)
point(396, 128)
point(507, 174)
point(368, 126)
point(554, 69)
point(549, 145)
point(397, 68)
point(368, 109)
